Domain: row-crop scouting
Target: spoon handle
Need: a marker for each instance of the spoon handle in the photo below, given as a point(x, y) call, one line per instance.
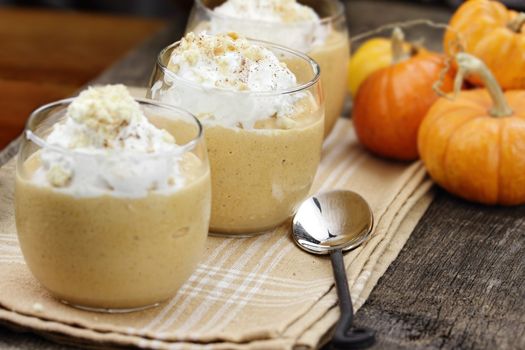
point(345, 336)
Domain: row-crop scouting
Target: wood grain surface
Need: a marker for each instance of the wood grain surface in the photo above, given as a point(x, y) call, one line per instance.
point(48, 55)
point(459, 281)
point(457, 284)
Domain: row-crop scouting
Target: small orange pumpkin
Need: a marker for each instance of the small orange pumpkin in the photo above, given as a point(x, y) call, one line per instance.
point(392, 101)
point(495, 35)
point(474, 145)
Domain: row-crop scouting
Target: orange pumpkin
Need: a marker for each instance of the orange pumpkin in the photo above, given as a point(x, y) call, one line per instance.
point(392, 101)
point(495, 35)
point(474, 145)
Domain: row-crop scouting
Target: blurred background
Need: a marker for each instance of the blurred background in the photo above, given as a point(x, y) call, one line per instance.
point(147, 8)
point(165, 8)
point(49, 49)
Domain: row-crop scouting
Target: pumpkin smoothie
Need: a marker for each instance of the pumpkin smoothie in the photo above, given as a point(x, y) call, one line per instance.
point(260, 176)
point(264, 127)
point(333, 58)
point(321, 33)
point(111, 212)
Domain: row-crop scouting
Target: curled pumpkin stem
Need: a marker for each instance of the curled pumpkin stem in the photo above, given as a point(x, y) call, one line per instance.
point(518, 22)
point(442, 75)
point(468, 65)
point(398, 51)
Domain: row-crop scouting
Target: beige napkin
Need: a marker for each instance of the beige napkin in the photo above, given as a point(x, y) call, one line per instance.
point(254, 293)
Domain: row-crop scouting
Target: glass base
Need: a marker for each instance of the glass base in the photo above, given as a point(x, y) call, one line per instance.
point(240, 235)
point(249, 234)
point(109, 310)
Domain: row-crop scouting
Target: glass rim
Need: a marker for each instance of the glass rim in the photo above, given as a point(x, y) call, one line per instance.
point(298, 88)
point(29, 134)
point(339, 12)
point(402, 24)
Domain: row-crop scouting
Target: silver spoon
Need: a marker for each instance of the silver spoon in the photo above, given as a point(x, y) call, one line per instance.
point(333, 223)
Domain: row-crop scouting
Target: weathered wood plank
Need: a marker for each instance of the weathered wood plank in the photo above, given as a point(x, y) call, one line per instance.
point(457, 284)
point(136, 67)
point(47, 55)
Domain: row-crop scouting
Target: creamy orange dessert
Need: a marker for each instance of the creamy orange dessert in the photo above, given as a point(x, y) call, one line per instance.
point(323, 36)
point(111, 212)
point(263, 129)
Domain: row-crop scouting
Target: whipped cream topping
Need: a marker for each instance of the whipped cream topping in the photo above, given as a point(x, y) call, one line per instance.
point(285, 11)
point(302, 29)
point(106, 145)
point(229, 62)
point(208, 70)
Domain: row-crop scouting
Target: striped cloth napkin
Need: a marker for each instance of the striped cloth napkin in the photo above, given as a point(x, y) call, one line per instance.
point(249, 293)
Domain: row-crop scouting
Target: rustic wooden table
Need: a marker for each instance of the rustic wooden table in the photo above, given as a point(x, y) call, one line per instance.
point(459, 281)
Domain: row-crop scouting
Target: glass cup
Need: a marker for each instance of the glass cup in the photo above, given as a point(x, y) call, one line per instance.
point(325, 41)
point(261, 171)
point(106, 242)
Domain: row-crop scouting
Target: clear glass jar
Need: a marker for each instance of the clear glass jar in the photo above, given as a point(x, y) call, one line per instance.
point(326, 41)
point(110, 240)
point(261, 171)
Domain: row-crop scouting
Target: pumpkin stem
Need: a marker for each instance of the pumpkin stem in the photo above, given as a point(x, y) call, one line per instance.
point(467, 65)
point(518, 22)
point(398, 52)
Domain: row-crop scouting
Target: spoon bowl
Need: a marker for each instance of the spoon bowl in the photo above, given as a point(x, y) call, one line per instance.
point(332, 220)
